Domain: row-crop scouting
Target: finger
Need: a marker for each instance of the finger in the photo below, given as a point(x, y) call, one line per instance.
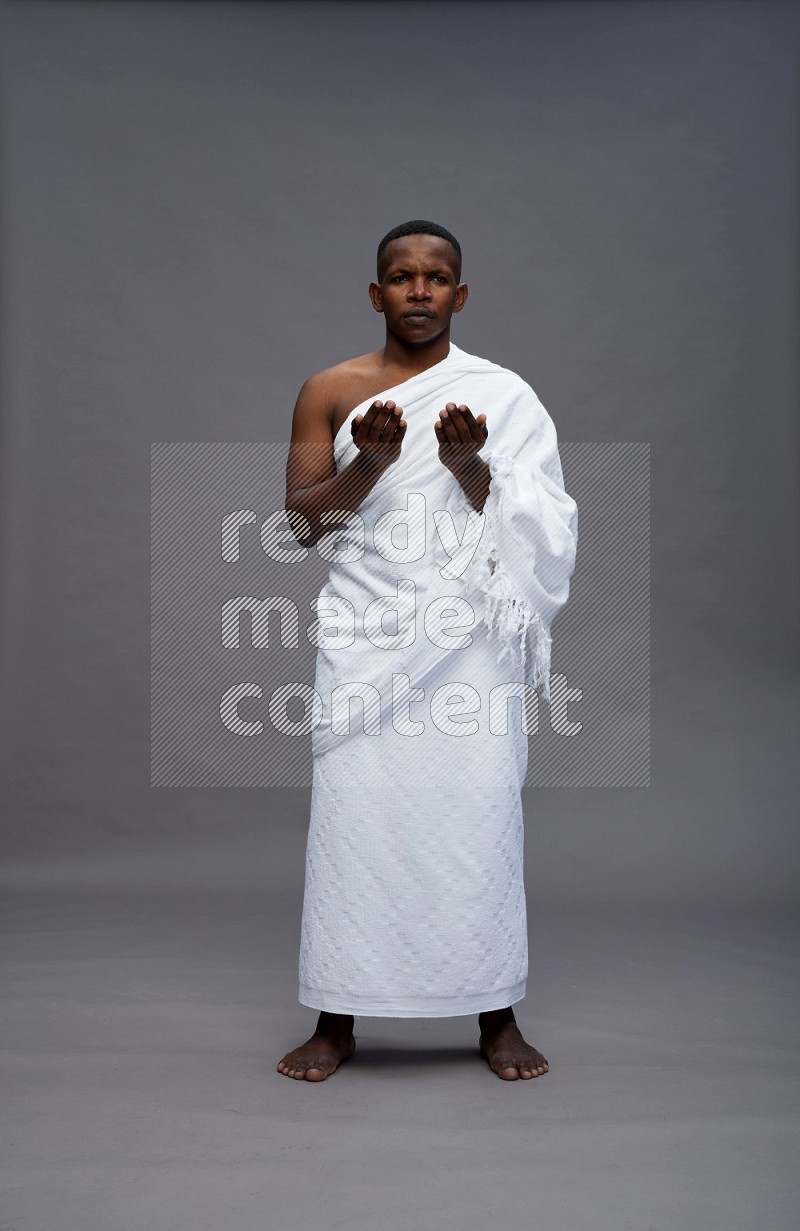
point(366, 419)
point(392, 422)
point(393, 443)
point(378, 423)
point(449, 417)
point(448, 428)
point(468, 418)
point(441, 436)
point(356, 423)
point(473, 426)
point(477, 425)
point(466, 422)
point(460, 429)
point(377, 412)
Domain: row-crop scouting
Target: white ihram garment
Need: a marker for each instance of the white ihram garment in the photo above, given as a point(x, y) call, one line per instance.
point(414, 900)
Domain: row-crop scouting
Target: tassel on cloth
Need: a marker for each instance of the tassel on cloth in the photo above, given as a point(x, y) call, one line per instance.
point(509, 616)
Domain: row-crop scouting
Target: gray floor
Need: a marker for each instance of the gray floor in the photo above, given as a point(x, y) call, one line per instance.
point(143, 1019)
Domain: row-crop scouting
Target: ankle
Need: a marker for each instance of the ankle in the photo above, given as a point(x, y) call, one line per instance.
point(335, 1024)
point(495, 1018)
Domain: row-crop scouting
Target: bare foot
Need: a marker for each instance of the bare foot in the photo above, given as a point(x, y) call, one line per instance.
point(330, 1044)
point(509, 1056)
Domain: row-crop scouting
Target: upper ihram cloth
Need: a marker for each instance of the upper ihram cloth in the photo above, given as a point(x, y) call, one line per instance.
point(512, 561)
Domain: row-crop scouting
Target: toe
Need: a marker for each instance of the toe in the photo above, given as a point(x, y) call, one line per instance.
point(314, 1074)
point(525, 1071)
point(508, 1072)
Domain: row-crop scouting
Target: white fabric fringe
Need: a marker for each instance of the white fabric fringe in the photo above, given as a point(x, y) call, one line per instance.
point(508, 614)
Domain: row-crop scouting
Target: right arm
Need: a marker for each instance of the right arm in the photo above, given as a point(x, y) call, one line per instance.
point(312, 485)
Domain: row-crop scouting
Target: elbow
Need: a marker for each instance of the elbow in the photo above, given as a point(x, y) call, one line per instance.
point(297, 517)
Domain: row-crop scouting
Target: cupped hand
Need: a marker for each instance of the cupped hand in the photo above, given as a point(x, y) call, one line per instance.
point(460, 435)
point(379, 433)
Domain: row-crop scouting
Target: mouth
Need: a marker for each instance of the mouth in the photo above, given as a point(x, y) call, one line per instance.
point(419, 314)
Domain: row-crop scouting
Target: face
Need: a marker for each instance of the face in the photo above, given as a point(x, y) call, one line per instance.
point(418, 290)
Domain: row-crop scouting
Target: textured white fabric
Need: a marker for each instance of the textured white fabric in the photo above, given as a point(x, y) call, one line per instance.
point(414, 901)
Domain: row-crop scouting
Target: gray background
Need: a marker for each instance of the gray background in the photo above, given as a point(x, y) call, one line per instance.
point(191, 199)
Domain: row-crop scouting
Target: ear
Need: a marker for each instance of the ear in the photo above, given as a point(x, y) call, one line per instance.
point(462, 294)
point(376, 296)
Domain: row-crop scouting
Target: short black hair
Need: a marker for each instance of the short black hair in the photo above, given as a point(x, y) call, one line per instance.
point(418, 226)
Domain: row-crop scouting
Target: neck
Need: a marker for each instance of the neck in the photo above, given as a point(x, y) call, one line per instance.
point(415, 359)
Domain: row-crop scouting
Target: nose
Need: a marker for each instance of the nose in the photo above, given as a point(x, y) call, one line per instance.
point(418, 289)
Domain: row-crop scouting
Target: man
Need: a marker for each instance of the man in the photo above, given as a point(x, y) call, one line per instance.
point(414, 901)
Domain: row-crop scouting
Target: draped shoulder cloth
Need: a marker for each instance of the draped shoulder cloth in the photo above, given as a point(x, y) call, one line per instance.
point(526, 552)
point(525, 538)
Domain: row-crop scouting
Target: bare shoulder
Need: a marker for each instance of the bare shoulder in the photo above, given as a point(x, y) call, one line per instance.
point(328, 396)
point(339, 378)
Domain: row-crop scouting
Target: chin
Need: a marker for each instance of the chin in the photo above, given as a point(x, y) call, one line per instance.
point(416, 333)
